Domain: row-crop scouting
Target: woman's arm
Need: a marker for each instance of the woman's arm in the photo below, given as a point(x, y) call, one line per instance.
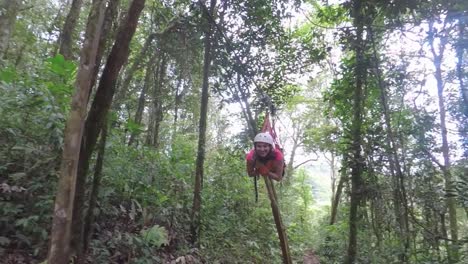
point(251, 168)
point(276, 171)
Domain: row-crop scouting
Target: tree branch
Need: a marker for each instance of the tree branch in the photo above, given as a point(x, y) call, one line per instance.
point(434, 159)
point(302, 163)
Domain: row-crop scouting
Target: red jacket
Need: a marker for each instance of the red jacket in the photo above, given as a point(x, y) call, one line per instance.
point(274, 163)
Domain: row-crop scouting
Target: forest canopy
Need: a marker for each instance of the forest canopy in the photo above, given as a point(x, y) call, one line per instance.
point(125, 126)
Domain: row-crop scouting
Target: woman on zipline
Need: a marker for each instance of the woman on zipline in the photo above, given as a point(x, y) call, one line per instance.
point(264, 159)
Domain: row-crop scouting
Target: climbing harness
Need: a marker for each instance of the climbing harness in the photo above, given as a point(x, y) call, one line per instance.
point(268, 127)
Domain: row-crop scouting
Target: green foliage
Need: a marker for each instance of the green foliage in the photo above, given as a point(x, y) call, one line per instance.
point(156, 236)
point(230, 218)
point(33, 110)
point(121, 246)
point(145, 200)
point(133, 127)
point(330, 15)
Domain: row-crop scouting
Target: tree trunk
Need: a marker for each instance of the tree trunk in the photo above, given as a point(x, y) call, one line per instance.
point(98, 112)
point(63, 209)
point(111, 13)
point(375, 223)
point(8, 12)
point(142, 98)
point(246, 109)
point(136, 65)
point(394, 159)
point(356, 126)
point(158, 100)
point(141, 57)
point(461, 45)
point(290, 166)
point(66, 36)
point(336, 199)
point(449, 183)
point(177, 100)
point(89, 220)
point(461, 74)
point(152, 116)
point(331, 161)
point(156, 115)
point(196, 207)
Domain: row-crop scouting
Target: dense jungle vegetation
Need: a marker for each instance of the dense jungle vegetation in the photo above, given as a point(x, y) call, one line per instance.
point(124, 126)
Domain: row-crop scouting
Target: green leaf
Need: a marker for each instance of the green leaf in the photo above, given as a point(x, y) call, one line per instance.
point(60, 66)
point(56, 64)
point(155, 236)
point(133, 127)
point(7, 75)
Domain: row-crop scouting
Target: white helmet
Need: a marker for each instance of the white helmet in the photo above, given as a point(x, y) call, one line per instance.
point(265, 138)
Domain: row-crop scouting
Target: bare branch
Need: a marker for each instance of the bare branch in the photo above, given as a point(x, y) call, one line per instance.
point(302, 163)
point(434, 159)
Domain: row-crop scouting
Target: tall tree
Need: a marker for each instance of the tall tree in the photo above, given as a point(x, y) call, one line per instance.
point(109, 21)
point(438, 53)
point(63, 209)
point(196, 207)
point(461, 48)
point(356, 130)
point(157, 109)
point(98, 112)
point(93, 196)
point(66, 36)
point(400, 196)
point(8, 13)
point(142, 99)
point(135, 66)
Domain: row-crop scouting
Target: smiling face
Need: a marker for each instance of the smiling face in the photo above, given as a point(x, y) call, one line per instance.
point(262, 149)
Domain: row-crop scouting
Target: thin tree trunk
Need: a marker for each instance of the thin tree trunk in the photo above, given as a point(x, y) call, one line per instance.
point(461, 71)
point(375, 220)
point(142, 98)
point(152, 110)
point(443, 230)
point(136, 65)
point(157, 101)
point(140, 59)
point(356, 126)
point(246, 109)
point(462, 44)
point(196, 207)
point(8, 12)
point(53, 42)
point(336, 199)
point(111, 13)
point(449, 183)
point(290, 166)
point(437, 246)
point(63, 209)
point(331, 161)
point(394, 159)
point(19, 54)
point(66, 36)
point(89, 220)
point(98, 112)
point(177, 100)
